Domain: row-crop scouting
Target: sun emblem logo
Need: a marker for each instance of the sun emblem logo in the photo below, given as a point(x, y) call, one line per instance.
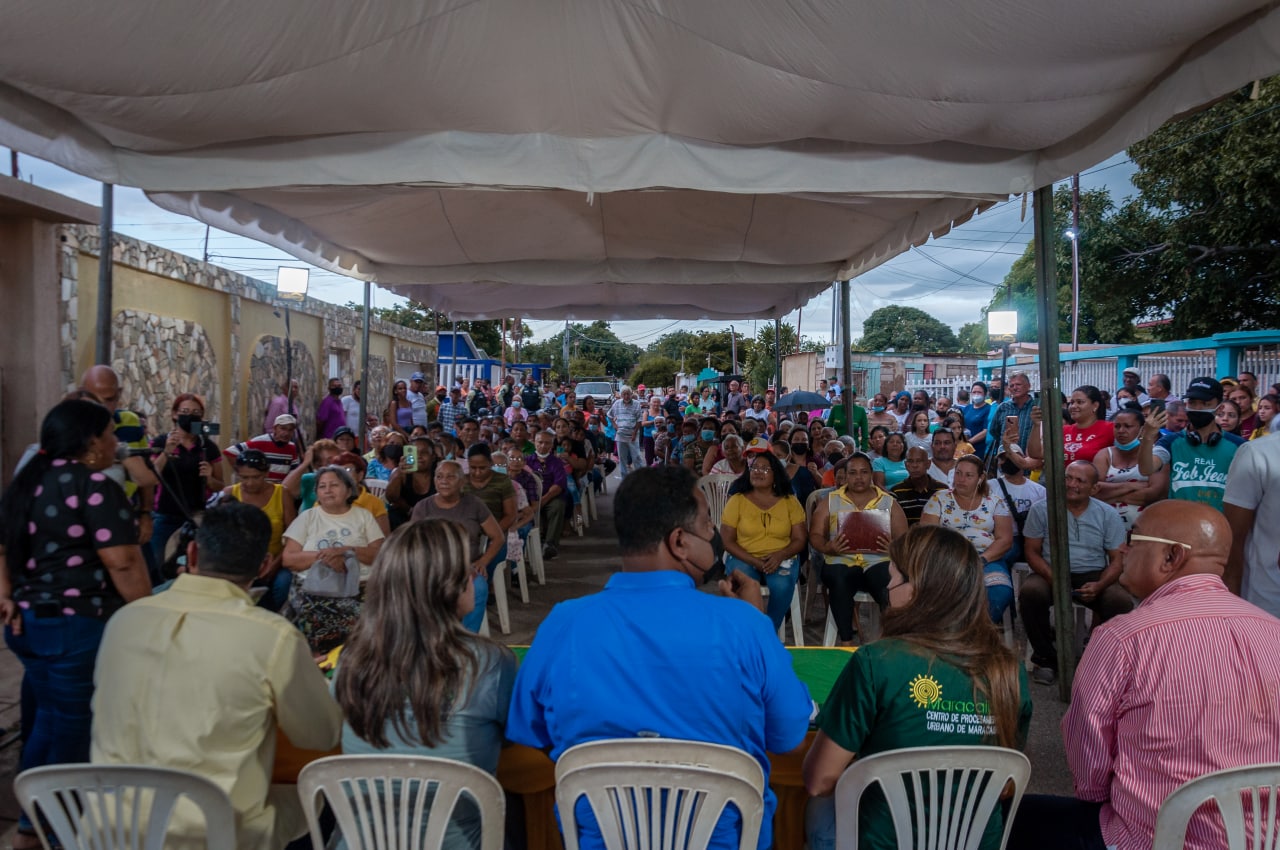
point(925, 690)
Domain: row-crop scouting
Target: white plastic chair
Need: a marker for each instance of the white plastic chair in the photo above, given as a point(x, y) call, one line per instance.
point(658, 793)
point(954, 790)
point(377, 487)
point(533, 543)
point(1249, 827)
point(498, 587)
point(796, 617)
point(865, 634)
point(398, 802)
point(715, 489)
point(93, 805)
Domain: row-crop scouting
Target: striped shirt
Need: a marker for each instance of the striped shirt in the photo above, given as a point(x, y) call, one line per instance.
point(283, 457)
point(1186, 684)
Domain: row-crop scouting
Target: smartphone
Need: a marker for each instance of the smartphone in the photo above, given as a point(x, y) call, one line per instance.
point(411, 458)
point(1156, 404)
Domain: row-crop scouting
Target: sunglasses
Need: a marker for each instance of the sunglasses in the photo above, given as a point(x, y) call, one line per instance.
point(254, 460)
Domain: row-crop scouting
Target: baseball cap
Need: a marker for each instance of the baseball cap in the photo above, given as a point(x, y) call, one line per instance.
point(759, 445)
point(1131, 371)
point(344, 431)
point(285, 419)
point(1204, 389)
point(440, 388)
point(417, 376)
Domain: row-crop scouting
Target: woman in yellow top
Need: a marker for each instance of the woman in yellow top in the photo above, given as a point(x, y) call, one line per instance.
point(763, 530)
point(844, 571)
point(253, 488)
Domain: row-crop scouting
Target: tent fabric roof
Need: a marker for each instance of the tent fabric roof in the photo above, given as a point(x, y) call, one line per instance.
point(606, 158)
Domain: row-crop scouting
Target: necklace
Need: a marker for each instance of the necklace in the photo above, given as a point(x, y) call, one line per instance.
point(955, 494)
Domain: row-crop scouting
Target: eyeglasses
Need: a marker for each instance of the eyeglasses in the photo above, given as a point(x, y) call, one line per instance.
point(1143, 538)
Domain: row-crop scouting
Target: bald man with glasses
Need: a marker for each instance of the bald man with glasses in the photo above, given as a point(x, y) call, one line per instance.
point(1183, 686)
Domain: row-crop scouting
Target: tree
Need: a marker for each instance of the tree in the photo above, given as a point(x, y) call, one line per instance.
point(654, 370)
point(1203, 249)
point(704, 348)
point(761, 368)
point(486, 334)
point(598, 342)
point(973, 338)
point(906, 329)
point(586, 367)
point(1106, 314)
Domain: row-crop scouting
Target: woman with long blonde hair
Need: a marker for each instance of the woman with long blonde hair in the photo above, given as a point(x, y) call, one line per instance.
point(939, 676)
point(411, 679)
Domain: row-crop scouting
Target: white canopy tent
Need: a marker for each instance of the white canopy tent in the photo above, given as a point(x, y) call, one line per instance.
point(606, 158)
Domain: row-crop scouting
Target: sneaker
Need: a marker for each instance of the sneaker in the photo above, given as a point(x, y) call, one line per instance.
point(1044, 676)
point(549, 552)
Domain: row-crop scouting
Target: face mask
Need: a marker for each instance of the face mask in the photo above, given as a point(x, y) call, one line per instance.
point(977, 398)
point(708, 436)
point(1129, 446)
point(687, 438)
point(671, 429)
point(833, 458)
point(1200, 418)
point(515, 404)
point(501, 470)
point(878, 408)
point(716, 571)
point(1009, 468)
point(449, 456)
point(799, 449)
point(335, 390)
point(542, 455)
point(189, 423)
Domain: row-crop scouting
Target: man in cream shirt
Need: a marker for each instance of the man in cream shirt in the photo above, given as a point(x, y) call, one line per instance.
point(198, 678)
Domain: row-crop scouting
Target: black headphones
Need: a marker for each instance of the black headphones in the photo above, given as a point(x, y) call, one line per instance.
point(1194, 438)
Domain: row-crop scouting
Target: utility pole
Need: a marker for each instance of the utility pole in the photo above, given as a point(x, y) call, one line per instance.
point(102, 344)
point(733, 347)
point(564, 350)
point(1075, 262)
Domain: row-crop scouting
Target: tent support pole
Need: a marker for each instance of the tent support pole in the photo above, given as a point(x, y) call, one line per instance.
point(777, 359)
point(364, 366)
point(1051, 406)
point(102, 344)
point(846, 359)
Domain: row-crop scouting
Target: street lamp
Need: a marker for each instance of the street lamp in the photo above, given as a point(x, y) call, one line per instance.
point(1075, 288)
point(291, 285)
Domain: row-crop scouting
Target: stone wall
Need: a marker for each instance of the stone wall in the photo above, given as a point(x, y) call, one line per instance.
point(189, 369)
point(158, 358)
point(267, 369)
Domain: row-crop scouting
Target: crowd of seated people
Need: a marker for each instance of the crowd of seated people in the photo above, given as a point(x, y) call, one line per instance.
point(365, 566)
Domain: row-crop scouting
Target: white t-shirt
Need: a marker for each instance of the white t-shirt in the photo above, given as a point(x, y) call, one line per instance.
point(419, 402)
point(316, 530)
point(1024, 495)
point(351, 410)
point(1253, 482)
point(948, 477)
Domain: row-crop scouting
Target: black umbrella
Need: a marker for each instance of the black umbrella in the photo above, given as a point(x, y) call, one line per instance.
point(801, 400)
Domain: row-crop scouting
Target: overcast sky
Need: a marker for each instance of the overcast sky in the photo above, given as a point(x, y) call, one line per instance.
point(951, 278)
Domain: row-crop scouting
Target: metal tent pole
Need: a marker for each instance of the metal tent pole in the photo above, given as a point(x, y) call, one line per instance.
point(846, 357)
point(1054, 458)
point(102, 344)
point(363, 437)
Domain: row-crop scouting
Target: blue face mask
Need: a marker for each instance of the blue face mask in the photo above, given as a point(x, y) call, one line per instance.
point(687, 438)
point(708, 436)
point(977, 398)
point(878, 409)
point(1130, 446)
point(501, 470)
point(671, 429)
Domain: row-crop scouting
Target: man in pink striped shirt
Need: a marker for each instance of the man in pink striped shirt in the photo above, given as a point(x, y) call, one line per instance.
point(1186, 684)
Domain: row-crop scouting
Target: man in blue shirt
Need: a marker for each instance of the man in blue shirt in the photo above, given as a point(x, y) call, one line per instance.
point(651, 656)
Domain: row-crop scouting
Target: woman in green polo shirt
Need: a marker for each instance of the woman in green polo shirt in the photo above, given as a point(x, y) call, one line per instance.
point(940, 676)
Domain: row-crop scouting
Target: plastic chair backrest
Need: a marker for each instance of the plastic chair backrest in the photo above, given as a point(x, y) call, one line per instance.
point(1249, 827)
point(952, 790)
point(92, 805)
point(376, 486)
point(715, 489)
point(658, 793)
point(398, 802)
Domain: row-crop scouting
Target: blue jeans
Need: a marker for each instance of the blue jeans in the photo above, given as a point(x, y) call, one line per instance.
point(995, 576)
point(277, 591)
point(820, 823)
point(781, 587)
point(163, 527)
point(57, 655)
point(472, 621)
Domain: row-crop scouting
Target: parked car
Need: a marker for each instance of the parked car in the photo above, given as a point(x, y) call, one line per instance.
point(601, 392)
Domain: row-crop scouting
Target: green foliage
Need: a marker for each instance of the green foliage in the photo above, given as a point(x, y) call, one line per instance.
point(973, 338)
point(1105, 315)
point(654, 370)
point(587, 367)
point(486, 334)
point(1203, 247)
point(598, 342)
point(701, 349)
point(906, 329)
point(761, 365)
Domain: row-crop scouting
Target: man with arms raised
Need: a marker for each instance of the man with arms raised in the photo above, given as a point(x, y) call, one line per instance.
point(1184, 685)
point(651, 656)
point(198, 678)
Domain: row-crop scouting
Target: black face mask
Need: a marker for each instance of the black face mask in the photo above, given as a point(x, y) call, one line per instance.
point(187, 422)
point(1009, 468)
point(717, 570)
point(833, 458)
point(1200, 418)
point(335, 390)
point(799, 449)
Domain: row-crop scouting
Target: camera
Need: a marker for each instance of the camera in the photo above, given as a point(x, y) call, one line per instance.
point(208, 429)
